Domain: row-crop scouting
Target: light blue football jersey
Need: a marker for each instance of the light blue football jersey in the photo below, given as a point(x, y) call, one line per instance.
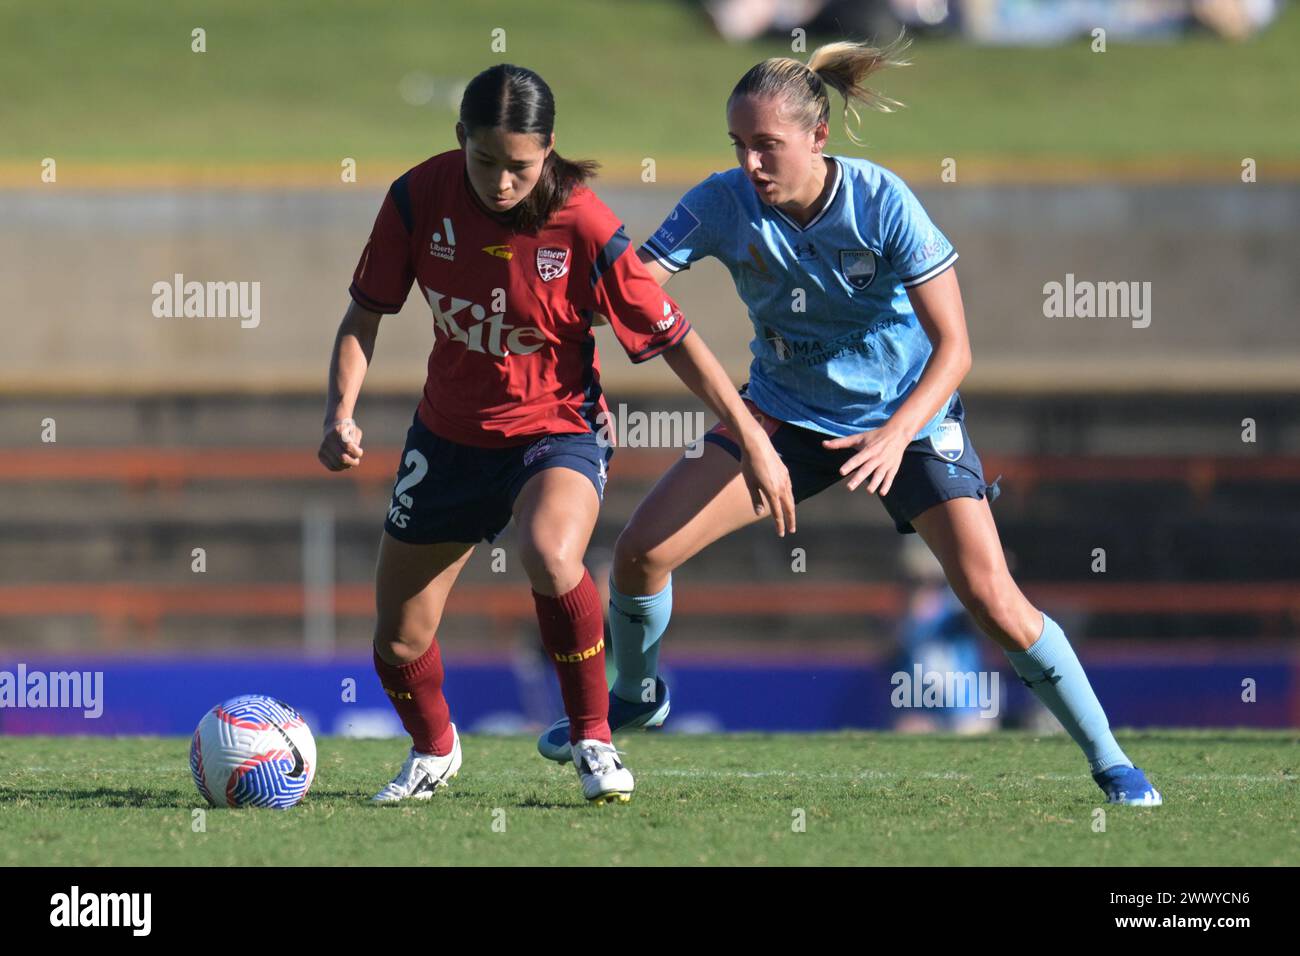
point(848, 360)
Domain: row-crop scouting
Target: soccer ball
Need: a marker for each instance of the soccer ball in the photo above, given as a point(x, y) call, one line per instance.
point(253, 751)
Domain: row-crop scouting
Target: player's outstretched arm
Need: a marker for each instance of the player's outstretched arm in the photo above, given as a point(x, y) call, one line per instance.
point(652, 266)
point(764, 472)
point(622, 292)
point(340, 448)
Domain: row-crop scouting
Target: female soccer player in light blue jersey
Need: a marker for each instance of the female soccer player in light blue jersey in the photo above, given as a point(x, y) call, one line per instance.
point(860, 343)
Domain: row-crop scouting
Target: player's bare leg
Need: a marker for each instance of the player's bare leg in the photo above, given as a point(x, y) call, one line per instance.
point(962, 534)
point(412, 582)
point(698, 501)
point(555, 513)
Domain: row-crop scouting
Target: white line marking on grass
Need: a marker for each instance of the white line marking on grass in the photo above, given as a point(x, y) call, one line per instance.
point(935, 775)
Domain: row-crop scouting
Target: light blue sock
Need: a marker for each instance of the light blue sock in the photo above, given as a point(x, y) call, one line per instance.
point(1052, 671)
point(636, 623)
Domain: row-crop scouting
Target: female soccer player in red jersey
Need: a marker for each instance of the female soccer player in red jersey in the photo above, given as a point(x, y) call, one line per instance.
point(860, 344)
point(514, 255)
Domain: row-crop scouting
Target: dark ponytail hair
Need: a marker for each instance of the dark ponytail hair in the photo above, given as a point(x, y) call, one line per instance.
point(517, 100)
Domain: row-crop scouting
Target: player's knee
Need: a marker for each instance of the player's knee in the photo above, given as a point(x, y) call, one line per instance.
point(402, 649)
point(635, 557)
point(629, 554)
point(402, 640)
point(995, 606)
point(551, 570)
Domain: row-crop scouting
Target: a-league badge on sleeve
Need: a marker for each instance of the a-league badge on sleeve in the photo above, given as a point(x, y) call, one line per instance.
point(681, 222)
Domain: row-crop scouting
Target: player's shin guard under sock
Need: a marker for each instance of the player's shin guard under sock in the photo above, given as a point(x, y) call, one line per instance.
point(635, 625)
point(573, 633)
point(416, 692)
point(1052, 671)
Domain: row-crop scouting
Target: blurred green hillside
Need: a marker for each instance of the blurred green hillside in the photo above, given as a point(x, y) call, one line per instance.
point(116, 82)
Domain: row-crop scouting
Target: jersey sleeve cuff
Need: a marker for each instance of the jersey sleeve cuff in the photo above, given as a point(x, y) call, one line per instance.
point(370, 304)
point(660, 347)
point(928, 274)
point(662, 257)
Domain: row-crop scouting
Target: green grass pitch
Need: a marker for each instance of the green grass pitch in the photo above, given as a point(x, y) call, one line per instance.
point(862, 799)
point(317, 80)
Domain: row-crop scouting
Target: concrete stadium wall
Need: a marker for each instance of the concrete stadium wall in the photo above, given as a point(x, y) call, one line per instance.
point(80, 266)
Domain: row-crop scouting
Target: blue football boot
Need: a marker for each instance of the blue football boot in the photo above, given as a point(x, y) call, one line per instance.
point(623, 715)
point(1127, 785)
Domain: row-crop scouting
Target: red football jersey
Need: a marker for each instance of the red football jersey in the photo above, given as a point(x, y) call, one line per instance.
point(513, 355)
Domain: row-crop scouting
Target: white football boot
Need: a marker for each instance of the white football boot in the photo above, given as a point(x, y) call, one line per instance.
point(422, 774)
point(604, 778)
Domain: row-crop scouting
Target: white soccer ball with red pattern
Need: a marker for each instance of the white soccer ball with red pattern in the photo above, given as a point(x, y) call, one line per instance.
point(253, 751)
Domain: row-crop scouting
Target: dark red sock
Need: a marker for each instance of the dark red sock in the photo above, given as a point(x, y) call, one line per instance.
point(415, 690)
point(573, 633)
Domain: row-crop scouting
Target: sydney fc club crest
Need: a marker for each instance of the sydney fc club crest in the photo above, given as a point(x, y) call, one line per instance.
point(552, 263)
point(858, 266)
point(947, 441)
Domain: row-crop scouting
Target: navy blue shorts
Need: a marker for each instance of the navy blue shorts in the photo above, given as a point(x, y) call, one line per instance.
point(446, 491)
point(935, 469)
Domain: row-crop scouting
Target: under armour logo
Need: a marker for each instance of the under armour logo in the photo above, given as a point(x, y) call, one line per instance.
point(1049, 677)
point(633, 618)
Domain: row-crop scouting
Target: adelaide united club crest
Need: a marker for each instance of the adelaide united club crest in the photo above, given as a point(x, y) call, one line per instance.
point(552, 262)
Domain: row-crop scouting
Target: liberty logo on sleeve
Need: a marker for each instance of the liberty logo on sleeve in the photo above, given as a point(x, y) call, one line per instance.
point(932, 247)
point(552, 263)
point(681, 222)
point(669, 319)
point(947, 441)
point(444, 250)
point(858, 266)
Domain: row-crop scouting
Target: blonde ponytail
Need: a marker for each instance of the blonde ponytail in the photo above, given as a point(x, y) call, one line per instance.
point(842, 66)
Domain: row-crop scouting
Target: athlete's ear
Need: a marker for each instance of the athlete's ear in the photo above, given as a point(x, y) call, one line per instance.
point(821, 133)
point(550, 147)
point(460, 134)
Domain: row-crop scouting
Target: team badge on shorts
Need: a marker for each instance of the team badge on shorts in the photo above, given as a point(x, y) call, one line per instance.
point(534, 451)
point(947, 441)
point(552, 263)
point(858, 266)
